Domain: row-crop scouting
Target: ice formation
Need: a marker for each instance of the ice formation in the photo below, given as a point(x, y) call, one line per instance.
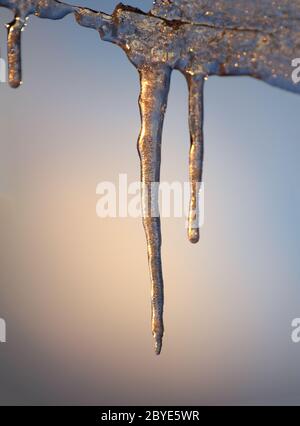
point(257, 38)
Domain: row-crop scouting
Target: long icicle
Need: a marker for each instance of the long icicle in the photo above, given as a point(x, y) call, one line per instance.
point(195, 85)
point(155, 83)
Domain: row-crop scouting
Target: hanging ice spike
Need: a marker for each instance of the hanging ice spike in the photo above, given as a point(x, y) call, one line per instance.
point(22, 9)
point(199, 38)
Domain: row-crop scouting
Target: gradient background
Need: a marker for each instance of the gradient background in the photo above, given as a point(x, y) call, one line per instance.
point(75, 288)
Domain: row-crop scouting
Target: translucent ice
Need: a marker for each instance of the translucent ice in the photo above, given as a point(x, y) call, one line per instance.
point(258, 38)
point(198, 38)
point(22, 10)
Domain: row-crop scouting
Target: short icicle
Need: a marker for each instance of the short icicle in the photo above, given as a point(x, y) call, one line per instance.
point(195, 85)
point(14, 30)
point(155, 83)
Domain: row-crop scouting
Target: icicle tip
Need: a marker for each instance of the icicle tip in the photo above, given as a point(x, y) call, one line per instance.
point(158, 344)
point(194, 235)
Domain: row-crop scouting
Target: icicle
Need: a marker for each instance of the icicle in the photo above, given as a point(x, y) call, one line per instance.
point(195, 85)
point(198, 38)
point(22, 9)
point(155, 83)
point(14, 52)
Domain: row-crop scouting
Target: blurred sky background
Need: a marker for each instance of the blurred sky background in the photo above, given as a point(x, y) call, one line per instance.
point(75, 289)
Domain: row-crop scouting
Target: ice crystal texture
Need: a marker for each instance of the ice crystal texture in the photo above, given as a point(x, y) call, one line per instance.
point(258, 38)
